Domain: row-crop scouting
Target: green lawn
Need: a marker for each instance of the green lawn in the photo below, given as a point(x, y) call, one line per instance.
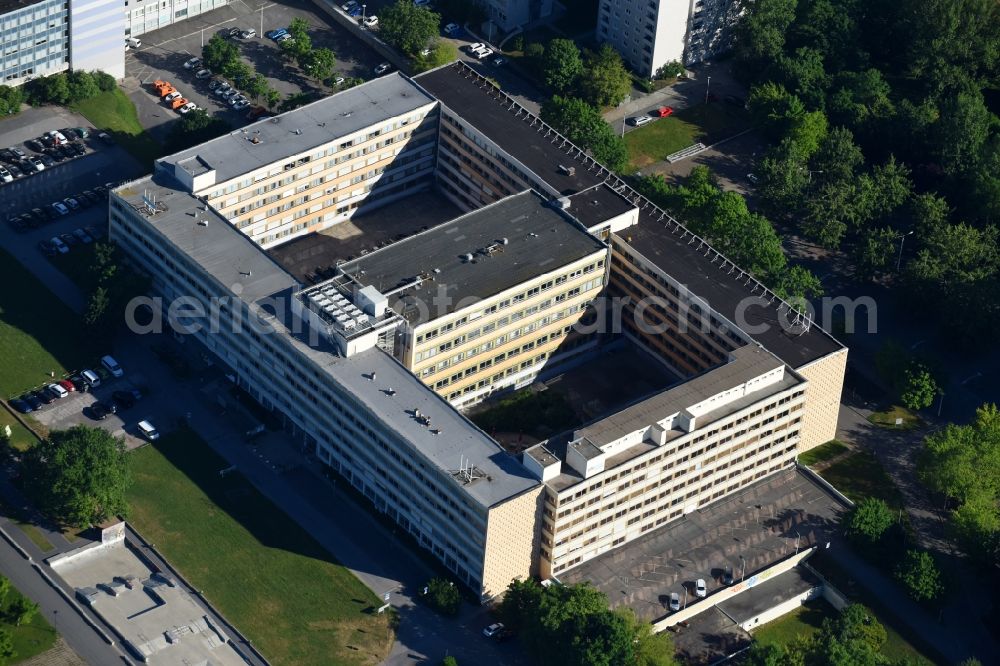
point(32, 637)
point(38, 334)
point(20, 437)
point(823, 452)
point(805, 622)
point(527, 411)
point(263, 572)
point(859, 475)
point(706, 123)
point(887, 418)
point(115, 113)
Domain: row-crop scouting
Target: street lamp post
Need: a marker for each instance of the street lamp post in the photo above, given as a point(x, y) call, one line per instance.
point(902, 239)
point(941, 401)
point(364, 8)
point(262, 19)
point(623, 125)
point(743, 568)
point(708, 87)
point(797, 537)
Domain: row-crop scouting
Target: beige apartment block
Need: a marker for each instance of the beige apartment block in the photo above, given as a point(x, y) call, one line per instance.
point(489, 298)
point(617, 478)
point(826, 383)
point(314, 167)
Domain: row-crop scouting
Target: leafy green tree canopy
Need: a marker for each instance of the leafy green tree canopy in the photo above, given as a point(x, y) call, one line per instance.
point(78, 476)
point(562, 64)
point(408, 27)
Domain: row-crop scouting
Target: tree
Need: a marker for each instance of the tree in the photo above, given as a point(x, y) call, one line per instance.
point(961, 131)
point(6, 644)
point(78, 476)
point(670, 70)
point(11, 99)
point(920, 576)
point(868, 521)
point(194, 128)
point(920, 388)
point(218, 53)
point(53, 89)
point(319, 63)
point(20, 610)
point(301, 43)
point(803, 75)
point(583, 125)
point(607, 81)
point(561, 65)
point(449, 661)
point(774, 108)
point(963, 464)
point(443, 596)
point(105, 82)
point(855, 638)
point(239, 72)
point(838, 158)
point(860, 98)
point(408, 27)
point(797, 284)
point(95, 315)
point(521, 601)
point(81, 86)
point(760, 37)
point(257, 85)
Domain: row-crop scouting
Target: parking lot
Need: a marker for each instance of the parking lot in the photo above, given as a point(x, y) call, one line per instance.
point(164, 52)
point(100, 164)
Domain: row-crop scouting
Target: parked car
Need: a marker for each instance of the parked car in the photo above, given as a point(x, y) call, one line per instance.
point(69, 239)
point(499, 61)
point(71, 203)
point(59, 245)
point(274, 34)
point(242, 104)
point(67, 385)
point(371, 21)
point(81, 132)
point(91, 378)
point(14, 171)
point(54, 154)
point(483, 53)
point(91, 196)
point(675, 601)
point(111, 365)
point(727, 577)
point(753, 178)
point(47, 160)
point(187, 108)
point(79, 383)
point(100, 409)
point(214, 83)
point(284, 38)
point(60, 208)
point(382, 68)
point(95, 232)
point(664, 111)
point(249, 33)
point(106, 138)
point(192, 63)
point(47, 248)
point(33, 401)
point(20, 405)
point(57, 391)
point(56, 136)
point(338, 81)
point(172, 96)
point(36, 164)
point(40, 215)
point(348, 6)
point(222, 89)
point(78, 148)
point(493, 630)
point(700, 589)
point(639, 121)
point(123, 399)
point(6, 176)
point(17, 224)
point(203, 74)
point(20, 154)
point(66, 151)
point(35, 145)
point(234, 32)
point(355, 11)
point(451, 29)
point(148, 431)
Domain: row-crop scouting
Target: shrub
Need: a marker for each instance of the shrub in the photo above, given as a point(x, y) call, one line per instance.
point(443, 596)
point(671, 70)
point(868, 521)
point(920, 576)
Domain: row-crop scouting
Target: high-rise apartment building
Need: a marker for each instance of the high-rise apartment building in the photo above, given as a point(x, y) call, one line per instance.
point(142, 16)
point(34, 37)
point(651, 33)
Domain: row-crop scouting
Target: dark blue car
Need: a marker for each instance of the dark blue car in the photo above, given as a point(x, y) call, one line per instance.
point(274, 34)
point(355, 11)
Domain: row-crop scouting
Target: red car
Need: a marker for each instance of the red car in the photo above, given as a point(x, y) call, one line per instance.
point(66, 384)
point(664, 111)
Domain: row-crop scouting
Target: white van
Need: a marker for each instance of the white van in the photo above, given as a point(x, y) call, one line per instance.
point(111, 365)
point(133, 42)
point(89, 376)
point(148, 431)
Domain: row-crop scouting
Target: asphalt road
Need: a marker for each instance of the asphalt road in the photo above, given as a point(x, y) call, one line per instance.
point(57, 610)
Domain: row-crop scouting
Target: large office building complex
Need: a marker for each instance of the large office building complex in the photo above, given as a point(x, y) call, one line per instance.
point(34, 37)
point(544, 262)
point(651, 33)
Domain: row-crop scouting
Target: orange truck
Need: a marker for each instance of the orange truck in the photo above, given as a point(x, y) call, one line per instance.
point(163, 88)
point(178, 103)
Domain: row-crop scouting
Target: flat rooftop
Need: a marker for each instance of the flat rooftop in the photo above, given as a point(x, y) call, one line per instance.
point(7, 6)
point(543, 152)
point(154, 613)
point(598, 204)
point(315, 257)
point(300, 130)
point(475, 256)
point(761, 522)
point(236, 262)
point(243, 269)
point(747, 362)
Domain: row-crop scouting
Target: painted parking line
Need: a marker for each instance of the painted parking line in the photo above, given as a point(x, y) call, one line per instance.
point(192, 34)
